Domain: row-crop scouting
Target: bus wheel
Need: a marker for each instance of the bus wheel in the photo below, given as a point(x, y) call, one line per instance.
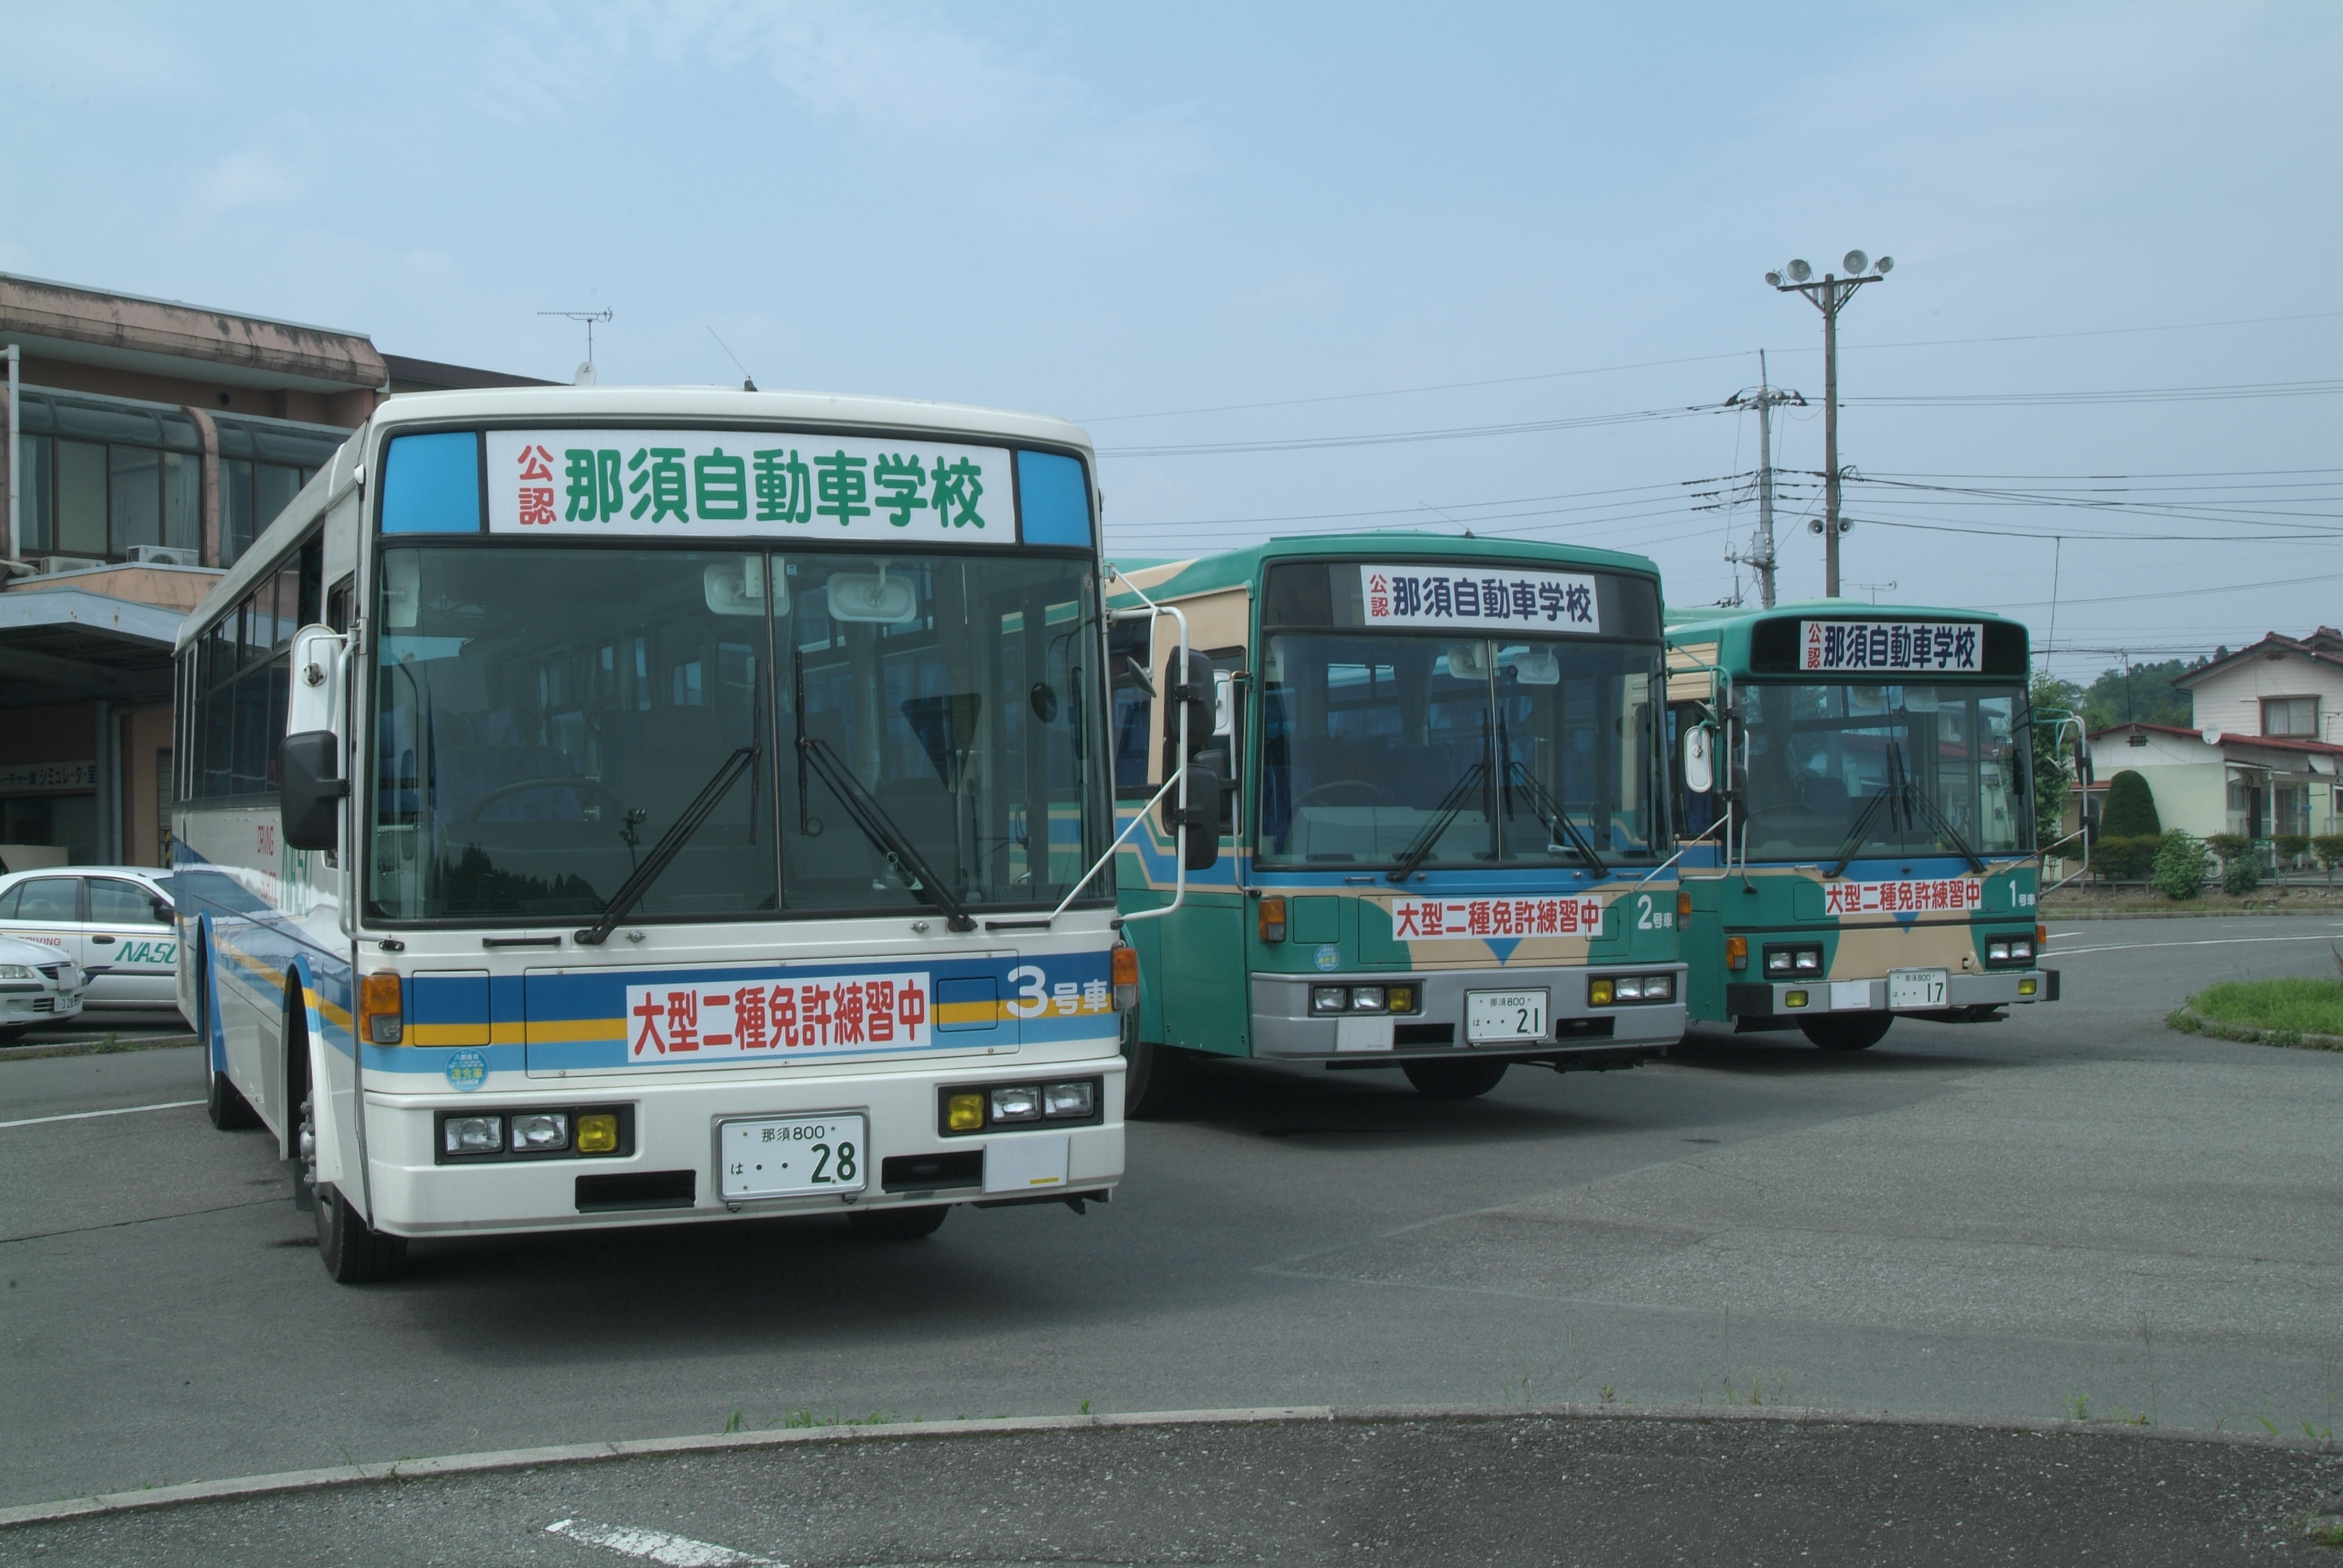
point(898, 1224)
point(1859, 1032)
point(1454, 1079)
point(354, 1252)
point(1153, 1080)
point(227, 1106)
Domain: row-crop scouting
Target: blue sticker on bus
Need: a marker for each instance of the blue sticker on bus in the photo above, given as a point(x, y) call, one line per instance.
point(467, 1070)
point(1330, 957)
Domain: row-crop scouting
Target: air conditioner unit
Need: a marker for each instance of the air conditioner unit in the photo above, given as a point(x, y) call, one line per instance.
point(165, 556)
point(50, 566)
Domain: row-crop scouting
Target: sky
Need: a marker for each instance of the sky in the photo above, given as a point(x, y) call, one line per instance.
point(1310, 268)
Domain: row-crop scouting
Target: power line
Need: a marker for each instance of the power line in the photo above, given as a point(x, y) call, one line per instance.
point(1396, 437)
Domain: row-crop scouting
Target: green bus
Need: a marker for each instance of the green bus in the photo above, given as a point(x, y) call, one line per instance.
point(1855, 805)
point(1438, 773)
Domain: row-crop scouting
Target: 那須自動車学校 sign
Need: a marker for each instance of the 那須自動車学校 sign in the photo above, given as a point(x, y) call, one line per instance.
point(1894, 646)
point(1465, 596)
point(748, 484)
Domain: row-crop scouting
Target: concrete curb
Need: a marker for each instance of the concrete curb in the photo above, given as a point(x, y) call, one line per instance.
point(107, 1045)
point(2188, 1020)
point(464, 1465)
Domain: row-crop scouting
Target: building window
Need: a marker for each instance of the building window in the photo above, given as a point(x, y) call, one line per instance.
point(2290, 716)
point(105, 475)
point(2290, 809)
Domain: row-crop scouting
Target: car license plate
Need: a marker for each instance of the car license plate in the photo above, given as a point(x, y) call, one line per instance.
point(1916, 988)
point(1492, 1016)
point(791, 1156)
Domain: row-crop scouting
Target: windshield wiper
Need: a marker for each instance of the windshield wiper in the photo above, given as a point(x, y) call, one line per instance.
point(1907, 803)
point(1443, 814)
point(1547, 809)
point(910, 868)
point(671, 842)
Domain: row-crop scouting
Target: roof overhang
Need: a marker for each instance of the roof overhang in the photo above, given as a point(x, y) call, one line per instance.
point(68, 645)
point(160, 338)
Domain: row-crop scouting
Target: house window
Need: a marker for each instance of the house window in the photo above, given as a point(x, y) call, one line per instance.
point(2290, 716)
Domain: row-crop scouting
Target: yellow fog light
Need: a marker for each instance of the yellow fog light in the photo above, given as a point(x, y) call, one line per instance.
point(964, 1112)
point(1793, 999)
point(1598, 992)
point(2025, 988)
point(598, 1133)
point(1403, 998)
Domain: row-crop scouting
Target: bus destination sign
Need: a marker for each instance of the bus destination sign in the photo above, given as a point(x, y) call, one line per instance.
point(1890, 647)
point(748, 484)
point(1467, 596)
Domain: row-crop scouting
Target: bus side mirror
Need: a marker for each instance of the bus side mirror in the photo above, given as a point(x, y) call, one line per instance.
point(1700, 760)
point(312, 788)
point(309, 765)
point(1201, 844)
point(1191, 688)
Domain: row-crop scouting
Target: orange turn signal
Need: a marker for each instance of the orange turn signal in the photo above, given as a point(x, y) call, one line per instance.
point(1125, 961)
point(1684, 903)
point(1737, 952)
point(380, 1012)
point(1270, 921)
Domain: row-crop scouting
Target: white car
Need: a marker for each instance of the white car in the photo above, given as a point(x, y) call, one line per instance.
point(36, 986)
point(115, 922)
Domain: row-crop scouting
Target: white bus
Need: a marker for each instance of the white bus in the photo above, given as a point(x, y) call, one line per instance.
point(609, 807)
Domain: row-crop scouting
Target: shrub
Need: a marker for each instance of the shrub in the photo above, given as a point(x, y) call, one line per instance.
point(2291, 847)
point(2328, 848)
point(2179, 870)
point(2123, 860)
point(2130, 810)
point(2241, 876)
point(2228, 846)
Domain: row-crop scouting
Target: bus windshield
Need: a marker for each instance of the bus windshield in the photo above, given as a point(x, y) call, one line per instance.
point(874, 730)
point(1406, 750)
point(1839, 771)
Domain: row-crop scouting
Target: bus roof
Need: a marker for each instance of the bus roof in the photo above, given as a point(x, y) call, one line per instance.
point(670, 403)
point(1237, 568)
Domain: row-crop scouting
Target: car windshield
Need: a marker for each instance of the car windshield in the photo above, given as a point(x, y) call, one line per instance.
point(546, 716)
point(1382, 749)
point(1839, 769)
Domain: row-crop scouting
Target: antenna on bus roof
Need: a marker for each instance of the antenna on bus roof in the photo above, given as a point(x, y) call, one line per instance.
point(585, 376)
point(748, 382)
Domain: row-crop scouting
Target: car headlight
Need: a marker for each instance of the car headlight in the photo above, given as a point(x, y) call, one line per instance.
point(18, 971)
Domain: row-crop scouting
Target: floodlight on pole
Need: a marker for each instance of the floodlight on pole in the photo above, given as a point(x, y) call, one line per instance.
point(1829, 294)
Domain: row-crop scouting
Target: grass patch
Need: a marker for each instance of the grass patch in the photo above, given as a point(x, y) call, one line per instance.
point(2294, 1005)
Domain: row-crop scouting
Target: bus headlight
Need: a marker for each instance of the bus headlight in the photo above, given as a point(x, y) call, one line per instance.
point(1063, 1100)
point(474, 1134)
point(539, 1131)
point(1367, 998)
point(1329, 997)
point(1019, 1104)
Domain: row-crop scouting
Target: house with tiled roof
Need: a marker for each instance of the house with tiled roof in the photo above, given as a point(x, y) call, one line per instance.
point(2264, 755)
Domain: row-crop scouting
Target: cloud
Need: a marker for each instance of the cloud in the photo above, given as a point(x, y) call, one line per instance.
point(280, 169)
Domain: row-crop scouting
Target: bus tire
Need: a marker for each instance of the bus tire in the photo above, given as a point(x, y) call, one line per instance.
point(230, 1112)
point(354, 1252)
point(1858, 1031)
point(1454, 1079)
point(901, 1224)
point(1154, 1079)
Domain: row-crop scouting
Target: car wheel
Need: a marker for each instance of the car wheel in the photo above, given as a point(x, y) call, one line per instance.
point(1857, 1032)
point(354, 1252)
point(899, 1224)
point(1454, 1079)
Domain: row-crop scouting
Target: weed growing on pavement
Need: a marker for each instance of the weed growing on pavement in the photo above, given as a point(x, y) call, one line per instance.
point(806, 1417)
point(733, 1422)
point(2078, 1407)
point(1758, 1392)
point(2323, 1530)
point(1086, 1407)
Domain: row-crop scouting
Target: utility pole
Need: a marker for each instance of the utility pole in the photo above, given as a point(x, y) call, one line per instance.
point(1829, 294)
point(1763, 400)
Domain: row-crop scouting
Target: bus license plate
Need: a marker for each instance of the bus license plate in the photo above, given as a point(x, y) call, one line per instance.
point(791, 1157)
point(1494, 1016)
point(1916, 988)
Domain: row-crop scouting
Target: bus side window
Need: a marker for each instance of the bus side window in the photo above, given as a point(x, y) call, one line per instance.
point(338, 605)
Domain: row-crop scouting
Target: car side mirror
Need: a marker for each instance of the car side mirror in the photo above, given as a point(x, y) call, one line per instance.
point(164, 913)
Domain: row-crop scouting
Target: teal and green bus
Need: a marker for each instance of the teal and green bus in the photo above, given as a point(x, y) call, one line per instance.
point(1855, 804)
point(1437, 768)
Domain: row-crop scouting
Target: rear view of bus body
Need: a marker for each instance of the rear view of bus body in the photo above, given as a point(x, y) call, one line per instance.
point(1860, 846)
point(611, 807)
point(1441, 789)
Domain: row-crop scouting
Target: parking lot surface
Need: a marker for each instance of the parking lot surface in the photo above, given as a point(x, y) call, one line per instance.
point(2072, 1212)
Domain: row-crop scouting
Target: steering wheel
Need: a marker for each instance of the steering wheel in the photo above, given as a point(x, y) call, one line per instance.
point(1375, 794)
point(570, 782)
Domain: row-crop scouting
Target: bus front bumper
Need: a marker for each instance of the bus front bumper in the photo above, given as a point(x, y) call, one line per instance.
point(1964, 993)
point(672, 1164)
point(1285, 1028)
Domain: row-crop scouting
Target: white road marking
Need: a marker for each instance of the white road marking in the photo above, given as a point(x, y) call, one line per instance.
point(117, 1111)
point(657, 1546)
point(2206, 942)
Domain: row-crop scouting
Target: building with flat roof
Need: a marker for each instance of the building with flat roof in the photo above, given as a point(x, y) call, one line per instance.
point(152, 443)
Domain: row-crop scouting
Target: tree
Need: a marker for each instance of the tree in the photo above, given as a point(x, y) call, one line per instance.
point(2142, 694)
point(2291, 847)
point(2328, 848)
point(2130, 810)
point(2179, 867)
point(2051, 699)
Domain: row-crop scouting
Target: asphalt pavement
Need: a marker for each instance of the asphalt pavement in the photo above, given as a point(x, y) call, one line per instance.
point(2073, 1212)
